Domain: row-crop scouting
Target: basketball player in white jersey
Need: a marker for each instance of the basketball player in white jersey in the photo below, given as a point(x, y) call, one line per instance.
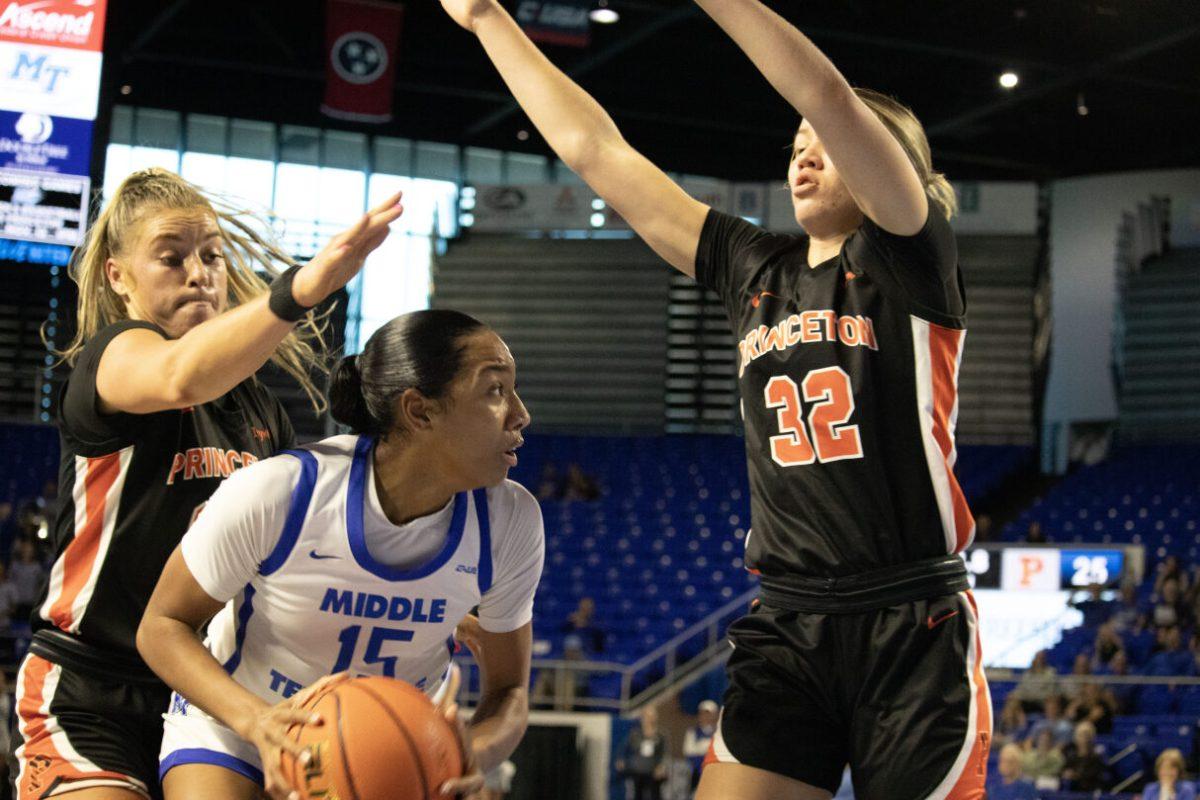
point(358, 554)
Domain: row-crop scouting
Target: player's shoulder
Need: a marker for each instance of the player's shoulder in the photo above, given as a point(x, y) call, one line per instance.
point(333, 449)
point(510, 502)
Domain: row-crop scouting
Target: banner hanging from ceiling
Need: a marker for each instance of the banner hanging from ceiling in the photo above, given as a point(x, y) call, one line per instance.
point(362, 40)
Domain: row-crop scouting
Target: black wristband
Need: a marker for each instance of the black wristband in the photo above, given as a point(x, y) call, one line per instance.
point(281, 302)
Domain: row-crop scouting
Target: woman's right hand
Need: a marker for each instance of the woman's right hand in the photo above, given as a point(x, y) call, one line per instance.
point(344, 255)
point(268, 733)
point(467, 13)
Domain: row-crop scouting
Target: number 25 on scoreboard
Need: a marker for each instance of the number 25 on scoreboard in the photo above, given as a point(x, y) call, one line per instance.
point(826, 435)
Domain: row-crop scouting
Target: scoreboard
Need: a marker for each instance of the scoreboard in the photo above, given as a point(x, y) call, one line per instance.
point(1026, 593)
point(1044, 568)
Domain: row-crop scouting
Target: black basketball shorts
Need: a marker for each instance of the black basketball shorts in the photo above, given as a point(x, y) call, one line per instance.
point(75, 731)
point(896, 693)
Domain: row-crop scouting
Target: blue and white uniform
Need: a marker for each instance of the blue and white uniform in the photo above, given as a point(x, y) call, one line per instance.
point(319, 581)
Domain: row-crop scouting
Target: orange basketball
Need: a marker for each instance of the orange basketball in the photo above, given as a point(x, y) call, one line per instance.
point(381, 739)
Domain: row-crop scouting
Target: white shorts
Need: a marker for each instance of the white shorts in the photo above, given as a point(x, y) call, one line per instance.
point(192, 737)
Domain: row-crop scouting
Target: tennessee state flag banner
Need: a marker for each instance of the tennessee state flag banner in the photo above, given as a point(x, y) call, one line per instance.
point(362, 39)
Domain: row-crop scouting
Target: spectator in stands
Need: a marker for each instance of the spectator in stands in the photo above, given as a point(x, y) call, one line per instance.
point(1169, 608)
point(1054, 721)
point(1121, 693)
point(8, 530)
point(1080, 667)
point(1108, 644)
point(6, 705)
point(1094, 608)
point(1043, 764)
point(1034, 534)
point(1171, 658)
point(1083, 765)
point(1095, 705)
point(1169, 569)
point(550, 484)
point(580, 485)
point(1012, 722)
point(698, 738)
point(644, 758)
point(582, 623)
point(1170, 785)
point(563, 685)
point(1038, 682)
point(983, 528)
point(8, 603)
point(1008, 783)
point(27, 574)
point(1128, 610)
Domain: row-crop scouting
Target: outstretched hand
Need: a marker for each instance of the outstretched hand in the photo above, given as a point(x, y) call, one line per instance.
point(344, 255)
point(467, 13)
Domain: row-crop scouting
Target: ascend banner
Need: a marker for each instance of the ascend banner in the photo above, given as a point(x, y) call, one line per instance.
point(362, 39)
point(563, 22)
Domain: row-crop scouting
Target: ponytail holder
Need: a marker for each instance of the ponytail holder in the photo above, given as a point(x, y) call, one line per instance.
point(281, 302)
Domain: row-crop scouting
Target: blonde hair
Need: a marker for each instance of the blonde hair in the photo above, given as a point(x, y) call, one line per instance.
point(1172, 755)
point(903, 124)
point(152, 190)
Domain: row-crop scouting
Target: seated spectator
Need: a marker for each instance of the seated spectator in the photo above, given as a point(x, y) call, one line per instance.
point(580, 485)
point(581, 623)
point(8, 600)
point(1034, 534)
point(1083, 765)
point(1127, 610)
point(1169, 609)
point(1122, 693)
point(1054, 721)
point(1108, 644)
point(1008, 784)
point(983, 528)
point(1171, 658)
point(26, 573)
point(698, 738)
point(1093, 704)
point(550, 484)
point(1012, 722)
point(1038, 682)
point(1080, 667)
point(1094, 608)
point(1169, 569)
point(1170, 784)
point(560, 686)
point(1043, 764)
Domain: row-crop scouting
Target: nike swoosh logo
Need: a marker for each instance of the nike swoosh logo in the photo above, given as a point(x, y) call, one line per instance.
point(933, 623)
point(315, 554)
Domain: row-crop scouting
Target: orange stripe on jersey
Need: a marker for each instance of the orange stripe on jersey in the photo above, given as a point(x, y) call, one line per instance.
point(970, 783)
point(43, 768)
point(945, 348)
point(79, 559)
point(710, 757)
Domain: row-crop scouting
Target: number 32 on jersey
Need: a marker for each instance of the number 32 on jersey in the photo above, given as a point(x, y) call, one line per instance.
point(827, 434)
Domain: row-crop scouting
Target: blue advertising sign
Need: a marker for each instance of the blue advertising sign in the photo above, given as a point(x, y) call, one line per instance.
point(43, 143)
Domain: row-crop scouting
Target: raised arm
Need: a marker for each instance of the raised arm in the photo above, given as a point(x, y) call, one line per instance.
point(585, 137)
point(140, 372)
point(872, 163)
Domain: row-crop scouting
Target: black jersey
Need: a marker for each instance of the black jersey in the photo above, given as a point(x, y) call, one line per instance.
point(130, 485)
point(848, 374)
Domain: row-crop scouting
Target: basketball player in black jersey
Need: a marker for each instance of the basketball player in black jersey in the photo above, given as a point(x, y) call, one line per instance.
point(160, 405)
point(864, 647)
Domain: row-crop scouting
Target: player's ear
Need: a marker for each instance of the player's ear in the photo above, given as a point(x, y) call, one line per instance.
point(415, 411)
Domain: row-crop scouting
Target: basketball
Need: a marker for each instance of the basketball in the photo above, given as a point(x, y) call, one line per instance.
point(380, 739)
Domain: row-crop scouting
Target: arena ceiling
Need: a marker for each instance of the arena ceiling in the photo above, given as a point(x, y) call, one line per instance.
point(685, 96)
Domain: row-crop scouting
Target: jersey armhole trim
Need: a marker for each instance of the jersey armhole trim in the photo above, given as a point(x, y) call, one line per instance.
point(297, 511)
point(485, 541)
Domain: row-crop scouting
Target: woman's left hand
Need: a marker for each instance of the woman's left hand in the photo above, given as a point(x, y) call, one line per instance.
point(470, 785)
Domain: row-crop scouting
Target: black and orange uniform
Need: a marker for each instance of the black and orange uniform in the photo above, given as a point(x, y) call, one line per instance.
point(864, 646)
point(89, 711)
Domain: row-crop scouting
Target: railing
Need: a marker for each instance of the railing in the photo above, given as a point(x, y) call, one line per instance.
point(687, 652)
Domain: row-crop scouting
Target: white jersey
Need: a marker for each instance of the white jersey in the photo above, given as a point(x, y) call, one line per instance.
point(321, 582)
